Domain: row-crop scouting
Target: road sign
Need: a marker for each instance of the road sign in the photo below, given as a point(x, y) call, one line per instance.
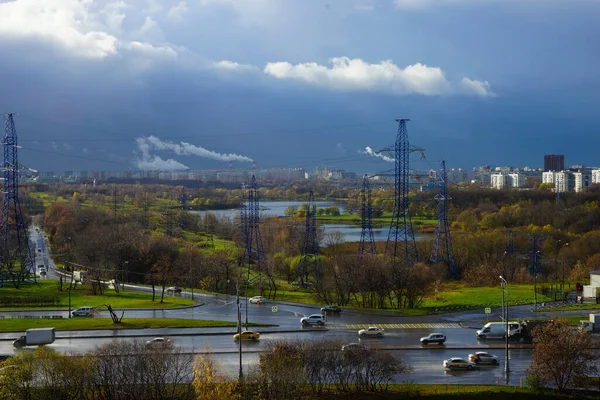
point(274, 308)
point(488, 310)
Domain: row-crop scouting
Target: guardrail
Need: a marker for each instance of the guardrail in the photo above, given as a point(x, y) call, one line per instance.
point(36, 316)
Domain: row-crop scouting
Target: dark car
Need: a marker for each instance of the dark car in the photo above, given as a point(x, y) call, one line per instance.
point(331, 309)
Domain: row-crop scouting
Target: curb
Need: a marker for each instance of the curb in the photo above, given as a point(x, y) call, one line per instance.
point(198, 304)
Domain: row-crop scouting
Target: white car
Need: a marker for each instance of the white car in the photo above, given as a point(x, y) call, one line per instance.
point(157, 341)
point(371, 331)
point(315, 319)
point(482, 357)
point(85, 311)
point(257, 300)
point(455, 363)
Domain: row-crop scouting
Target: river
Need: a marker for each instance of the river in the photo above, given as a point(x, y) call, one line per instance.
point(277, 209)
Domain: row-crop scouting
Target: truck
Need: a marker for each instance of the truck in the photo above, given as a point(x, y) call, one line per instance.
point(79, 276)
point(36, 337)
point(524, 332)
point(496, 330)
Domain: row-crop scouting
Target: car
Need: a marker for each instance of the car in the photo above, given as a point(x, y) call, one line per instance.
point(482, 357)
point(353, 346)
point(85, 311)
point(372, 331)
point(247, 335)
point(438, 338)
point(174, 289)
point(331, 309)
point(315, 319)
point(157, 341)
point(455, 363)
point(257, 300)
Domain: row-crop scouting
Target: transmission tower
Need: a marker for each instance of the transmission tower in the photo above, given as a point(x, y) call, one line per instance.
point(367, 240)
point(309, 269)
point(535, 254)
point(114, 207)
point(145, 207)
point(253, 249)
point(17, 260)
point(442, 242)
point(401, 239)
point(183, 214)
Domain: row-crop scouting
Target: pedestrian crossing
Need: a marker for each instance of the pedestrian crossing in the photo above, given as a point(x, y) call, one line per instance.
point(452, 325)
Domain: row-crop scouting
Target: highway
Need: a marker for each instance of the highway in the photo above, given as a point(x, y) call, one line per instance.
point(426, 361)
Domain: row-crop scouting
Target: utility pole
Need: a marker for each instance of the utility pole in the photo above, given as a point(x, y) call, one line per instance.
point(503, 283)
point(239, 312)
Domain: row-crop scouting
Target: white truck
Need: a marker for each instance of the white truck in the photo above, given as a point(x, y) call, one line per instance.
point(36, 337)
point(79, 276)
point(496, 330)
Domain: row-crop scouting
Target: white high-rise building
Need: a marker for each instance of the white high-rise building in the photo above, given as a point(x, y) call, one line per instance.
point(582, 180)
point(596, 176)
point(515, 180)
point(563, 181)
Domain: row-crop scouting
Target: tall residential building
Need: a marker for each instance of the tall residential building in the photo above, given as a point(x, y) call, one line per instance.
point(583, 179)
point(563, 181)
point(554, 162)
point(596, 176)
point(514, 180)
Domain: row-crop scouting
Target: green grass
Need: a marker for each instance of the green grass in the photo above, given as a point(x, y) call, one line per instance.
point(451, 297)
point(79, 324)
point(81, 297)
point(571, 307)
point(488, 392)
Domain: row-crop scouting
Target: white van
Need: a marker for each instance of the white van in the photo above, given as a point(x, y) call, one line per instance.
point(496, 330)
point(85, 311)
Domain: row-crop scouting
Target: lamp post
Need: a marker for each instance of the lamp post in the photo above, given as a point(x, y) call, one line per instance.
point(124, 275)
point(535, 271)
point(556, 266)
point(562, 286)
point(239, 315)
point(503, 284)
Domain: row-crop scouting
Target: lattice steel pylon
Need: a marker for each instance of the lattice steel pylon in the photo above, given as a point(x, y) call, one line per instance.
point(253, 248)
point(309, 269)
point(535, 254)
point(401, 243)
point(442, 252)
point(17, 261)
point(183, 213)
point(367, 240)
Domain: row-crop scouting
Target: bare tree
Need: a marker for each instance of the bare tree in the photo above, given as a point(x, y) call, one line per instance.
point(561, 356)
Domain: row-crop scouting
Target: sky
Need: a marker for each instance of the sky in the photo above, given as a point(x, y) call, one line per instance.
point(199, 84)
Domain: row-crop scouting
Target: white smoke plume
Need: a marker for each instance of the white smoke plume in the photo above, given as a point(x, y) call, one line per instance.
point(187, 149)
point(369, 151)
point(148, 162)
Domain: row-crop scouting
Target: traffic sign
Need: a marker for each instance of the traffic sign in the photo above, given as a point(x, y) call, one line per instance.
point(274, 308)
point(488, 310)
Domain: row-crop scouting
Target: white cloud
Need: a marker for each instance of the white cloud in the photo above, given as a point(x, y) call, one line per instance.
point(226, 65)
point(476, 87)
point(369, 151)
point(178, 11)
point(85, 150)
point(348, 74)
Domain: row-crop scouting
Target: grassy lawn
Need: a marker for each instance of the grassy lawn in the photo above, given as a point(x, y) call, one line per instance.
point(497, 392)
point(80, 297)
point(80, 324)
point(451, 297)
point(570, 307)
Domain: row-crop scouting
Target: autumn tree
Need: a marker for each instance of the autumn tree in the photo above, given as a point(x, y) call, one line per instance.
point(562, 356)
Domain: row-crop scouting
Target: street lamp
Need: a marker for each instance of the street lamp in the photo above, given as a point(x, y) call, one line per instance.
point(239, 315)
point(556, 266)
point(503, 284)
point(562, 287)
point(535, 271)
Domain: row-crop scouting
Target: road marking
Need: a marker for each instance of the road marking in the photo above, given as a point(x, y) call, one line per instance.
point(451, 325)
